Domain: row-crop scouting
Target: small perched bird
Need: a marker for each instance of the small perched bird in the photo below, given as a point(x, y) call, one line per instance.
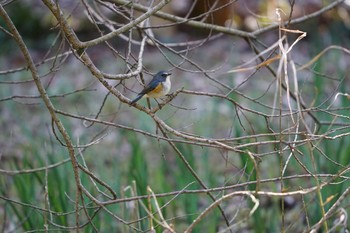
point(159, 86)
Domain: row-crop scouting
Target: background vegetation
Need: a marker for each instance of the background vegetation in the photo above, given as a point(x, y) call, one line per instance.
point(254, 138)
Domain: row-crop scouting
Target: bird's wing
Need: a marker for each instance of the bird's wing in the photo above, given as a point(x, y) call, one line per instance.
point(154, 84)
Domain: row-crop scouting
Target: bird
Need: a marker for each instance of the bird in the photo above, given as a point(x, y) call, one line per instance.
point(159, 86)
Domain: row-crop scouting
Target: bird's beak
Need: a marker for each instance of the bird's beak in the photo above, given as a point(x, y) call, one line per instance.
point(168, 74)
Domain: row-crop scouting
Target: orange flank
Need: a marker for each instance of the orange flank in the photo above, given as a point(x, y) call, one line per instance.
point(156, 90)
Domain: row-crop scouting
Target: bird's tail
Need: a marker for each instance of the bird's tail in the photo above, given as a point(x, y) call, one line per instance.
point(136, 99)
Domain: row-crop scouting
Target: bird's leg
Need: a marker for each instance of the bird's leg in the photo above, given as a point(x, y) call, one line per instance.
point(159, 104)
point(170, 95)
